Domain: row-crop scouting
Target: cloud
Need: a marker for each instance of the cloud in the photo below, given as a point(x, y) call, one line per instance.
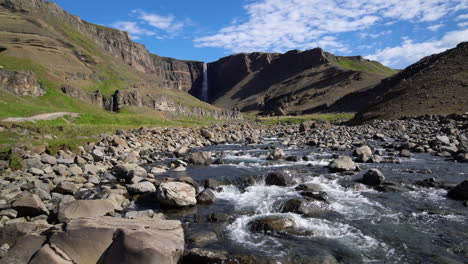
point(462, 17)
point(279, 25)
point(165, 23)
point(375, 35)
point(463, 24)
point(133, 28)
point(435, 27)
point(409, 51)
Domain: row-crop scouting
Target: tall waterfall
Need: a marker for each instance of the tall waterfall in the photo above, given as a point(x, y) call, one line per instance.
point(204, 92)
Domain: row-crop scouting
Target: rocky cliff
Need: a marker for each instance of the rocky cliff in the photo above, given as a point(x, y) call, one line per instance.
point(22, 83)
point(435, 85)
point(295, 82)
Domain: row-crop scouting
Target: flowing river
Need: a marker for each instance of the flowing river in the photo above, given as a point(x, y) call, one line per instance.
point(360, 224)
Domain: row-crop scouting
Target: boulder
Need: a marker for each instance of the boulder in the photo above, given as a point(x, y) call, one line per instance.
point(176, 194)
point(206, 133)
point(342, 163)
point(206, 197)
point(279, 178)
point(363, 153)
point(84, 208)
point(200, 158)
point(373, 177)
point(460, 192)
point(115, 240)
point(204, 256)
point(303, 206)
point(141, 187)
point(276, 154)
point(309, 187)
point(30, 205)
point(65, 188)
point(275, 224)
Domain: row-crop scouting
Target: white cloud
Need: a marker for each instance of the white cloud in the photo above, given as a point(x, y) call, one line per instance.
point(435, 27)
point(279, 25)
point(133, 28)
point(463, 24)
point(165, 23)
point(462, 17)
point(409, 52)
point(375, 35)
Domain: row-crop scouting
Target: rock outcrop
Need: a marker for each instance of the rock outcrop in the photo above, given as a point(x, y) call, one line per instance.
point(22, 83)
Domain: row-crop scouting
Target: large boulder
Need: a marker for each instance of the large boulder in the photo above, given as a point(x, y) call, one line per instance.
point(303, 206)
point(207, 196)
point(84, 208)
point(30, 205)
point(176, 194)
point(460, 192)
point(115, 240)
point(279, 178)
point(363, 153)
point(342, 163)
point(275, 224)
point(141, 187)
point(373, 177)
point(276, 154)
point(200, 158)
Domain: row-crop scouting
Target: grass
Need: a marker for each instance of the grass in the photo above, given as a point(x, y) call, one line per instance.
point(300, 119)
point(366, 66)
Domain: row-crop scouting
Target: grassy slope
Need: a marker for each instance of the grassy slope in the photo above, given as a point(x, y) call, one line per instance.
point(366, 66)
point(300, 119)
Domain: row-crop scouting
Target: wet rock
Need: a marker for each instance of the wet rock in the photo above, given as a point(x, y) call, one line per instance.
point(430, 183)
point(279, 179)
point(206, 197)
point(341, 164)
point(220, 218)
point(276, 154)
point(319, 196)
point(303, 206)
point(405, 153)
point(310, 187)
point(29, 205)
point(373, 177)
point(293, 158)
point(202, 158)
point(275, 224)
point(121, 170)
point(212, 184)
point(363, 153)
point(176, 194)
point(392, 187)
point(204, 256)
point(84, 208)
point(117, 240)
point(141, 187)
point(460, 192)
point(202, 238)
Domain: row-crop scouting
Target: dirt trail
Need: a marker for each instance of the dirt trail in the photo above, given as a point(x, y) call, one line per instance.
point(47, 116)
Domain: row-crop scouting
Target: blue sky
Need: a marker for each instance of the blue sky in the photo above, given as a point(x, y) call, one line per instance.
point(394, 32)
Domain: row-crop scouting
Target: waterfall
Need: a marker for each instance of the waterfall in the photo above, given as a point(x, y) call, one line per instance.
point(111, 103)
point(204, 92)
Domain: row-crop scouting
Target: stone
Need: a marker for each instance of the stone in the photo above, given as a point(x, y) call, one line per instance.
point(206, 197)
point(29, 205)
point(141, 187)
point(36, 171)
point(429, 183)
point(460, 192)
point(118, 240)
point(341, 164)
point(176, 194)
point(303, 207)
point(65, 188)
point(32, 162)
point(202, 238)
point(204, 256)
point(363, 153)
point(279, 178)
point(405, 153)
point(373, 177)
point(84, 208)
point(10, 213)
point(275, 224)
point(156, 170)
point(200, 158)
point(98, 155)
point(276, 154)
point(206, 133)
point(212, 184)
point(121, 170)
point(309, 187)
point(48, 159)
point(75, 170)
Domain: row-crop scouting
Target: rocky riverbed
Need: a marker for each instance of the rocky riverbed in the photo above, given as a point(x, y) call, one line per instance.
point(387, 191)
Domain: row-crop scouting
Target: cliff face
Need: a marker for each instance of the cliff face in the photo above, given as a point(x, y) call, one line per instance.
point(291, 83)
point(171, 73)
point(22, 83)
point(435, 85)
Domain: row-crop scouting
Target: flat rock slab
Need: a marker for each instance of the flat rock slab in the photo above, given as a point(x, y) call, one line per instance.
point(48, 116)
point(84, 208)
point(115, 240)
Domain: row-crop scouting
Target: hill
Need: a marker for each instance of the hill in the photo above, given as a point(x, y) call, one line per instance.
point(296, 82)
point(435, 85)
